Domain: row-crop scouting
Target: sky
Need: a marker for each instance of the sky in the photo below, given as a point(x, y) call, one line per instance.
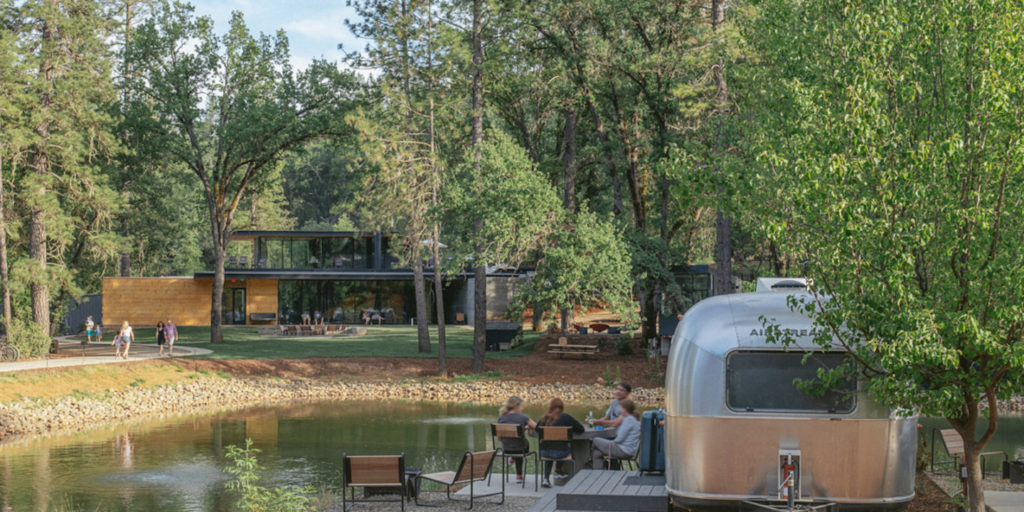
point(314, 27)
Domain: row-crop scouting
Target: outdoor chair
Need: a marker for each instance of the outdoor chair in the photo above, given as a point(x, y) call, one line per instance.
point(378, 471)
point(474, 467)
point(557, 434)
point(244, 261)
point(954, 446)
point(232, 261)
point(501, 431)
point(261, 263)
point(624, 462)
point(284, 329)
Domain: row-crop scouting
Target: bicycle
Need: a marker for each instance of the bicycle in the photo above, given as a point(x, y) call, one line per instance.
point(8, 352)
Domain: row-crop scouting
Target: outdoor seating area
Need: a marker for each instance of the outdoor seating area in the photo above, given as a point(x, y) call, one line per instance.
point(563, 347)
point(313, 330)
point(953, 445)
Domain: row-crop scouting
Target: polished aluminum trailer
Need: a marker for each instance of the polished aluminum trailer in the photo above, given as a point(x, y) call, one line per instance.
point(739, 435)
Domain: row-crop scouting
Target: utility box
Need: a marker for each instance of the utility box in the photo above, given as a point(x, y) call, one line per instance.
point(789, 463)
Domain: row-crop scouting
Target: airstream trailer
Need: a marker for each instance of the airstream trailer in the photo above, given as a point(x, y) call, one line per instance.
point(739, 435)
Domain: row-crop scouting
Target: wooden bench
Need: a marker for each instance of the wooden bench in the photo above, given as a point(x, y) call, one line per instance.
point(954, 445)
point(564, 348)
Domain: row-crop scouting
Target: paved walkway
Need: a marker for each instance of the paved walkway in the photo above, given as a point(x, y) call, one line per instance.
point(1005, 501)
point(73, 353)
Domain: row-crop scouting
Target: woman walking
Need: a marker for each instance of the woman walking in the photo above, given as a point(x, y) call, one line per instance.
point(127, 337)
point(161, 337)
point(556, 417)
point(627, 437)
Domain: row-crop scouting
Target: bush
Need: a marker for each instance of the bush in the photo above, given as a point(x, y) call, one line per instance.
point(245, 475)
point(624, 347)
point(30, 340)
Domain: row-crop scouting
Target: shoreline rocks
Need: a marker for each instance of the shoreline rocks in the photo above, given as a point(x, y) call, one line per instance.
point(73, 414)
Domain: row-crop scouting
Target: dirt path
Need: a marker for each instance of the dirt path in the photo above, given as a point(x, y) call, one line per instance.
point(538, 367)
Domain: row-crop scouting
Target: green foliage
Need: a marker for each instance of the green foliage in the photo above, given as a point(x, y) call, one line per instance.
point(891, 162)
point(29, 338)
point(586, 264)
point(245, 471)
point(624, 346)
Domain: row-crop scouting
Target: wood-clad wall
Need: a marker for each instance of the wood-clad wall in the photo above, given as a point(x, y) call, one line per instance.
point(260, 297)
point(144, 301)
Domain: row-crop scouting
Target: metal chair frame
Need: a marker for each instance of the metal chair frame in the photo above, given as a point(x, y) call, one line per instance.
point(349, 486)
point(468, 457)
point(520, 433)
point(559, 437)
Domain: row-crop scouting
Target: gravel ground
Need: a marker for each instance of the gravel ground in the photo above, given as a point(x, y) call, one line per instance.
point(992, 482)
point(484, 505)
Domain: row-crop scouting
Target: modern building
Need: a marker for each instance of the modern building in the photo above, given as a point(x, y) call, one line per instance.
point(343, 275)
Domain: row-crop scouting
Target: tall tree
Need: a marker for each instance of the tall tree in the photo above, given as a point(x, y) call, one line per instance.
point(891, 136)
point(476, 135)
point(67, 199)
point(228, 108)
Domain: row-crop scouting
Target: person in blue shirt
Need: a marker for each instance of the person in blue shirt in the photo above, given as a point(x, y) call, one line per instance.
point(627, 437)
point(556, 417)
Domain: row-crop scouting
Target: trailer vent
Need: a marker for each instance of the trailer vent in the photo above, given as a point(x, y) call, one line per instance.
point(781, 284)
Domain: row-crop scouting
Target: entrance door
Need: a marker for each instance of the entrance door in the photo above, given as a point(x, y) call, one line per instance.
point(234, 306)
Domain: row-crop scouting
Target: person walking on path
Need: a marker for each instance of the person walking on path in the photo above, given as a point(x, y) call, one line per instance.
point(127, 337)
point(90, 329)
point(171, 332)
point(556, 417)
point(627, 437)
point(161, 337)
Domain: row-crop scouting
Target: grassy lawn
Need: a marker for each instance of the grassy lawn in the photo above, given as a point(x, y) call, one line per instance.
point(242, 342)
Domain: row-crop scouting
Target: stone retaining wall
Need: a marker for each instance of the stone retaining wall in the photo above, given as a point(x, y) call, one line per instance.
point(70, 414)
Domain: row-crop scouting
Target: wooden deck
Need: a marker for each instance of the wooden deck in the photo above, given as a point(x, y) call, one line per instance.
point(592, 490)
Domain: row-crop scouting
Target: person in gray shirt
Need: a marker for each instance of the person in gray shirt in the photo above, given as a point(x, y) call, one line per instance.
point(627, 437)
point(512, 413)
point(612, 418)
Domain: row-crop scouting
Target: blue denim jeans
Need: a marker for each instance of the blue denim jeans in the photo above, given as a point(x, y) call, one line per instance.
point(552, 454)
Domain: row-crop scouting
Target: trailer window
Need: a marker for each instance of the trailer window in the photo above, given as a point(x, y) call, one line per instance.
point(764, 381)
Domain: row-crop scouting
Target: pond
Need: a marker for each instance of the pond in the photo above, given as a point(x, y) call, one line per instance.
point(174, 464)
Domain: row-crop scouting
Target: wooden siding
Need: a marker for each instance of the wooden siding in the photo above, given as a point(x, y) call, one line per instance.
point(260, 297)
point(144, 301)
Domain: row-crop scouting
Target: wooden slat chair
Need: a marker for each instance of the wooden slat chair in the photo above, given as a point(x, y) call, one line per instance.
point(954, 445)
point(474, 467)
point(546, 434)
point(501, 431)
point(372, 471)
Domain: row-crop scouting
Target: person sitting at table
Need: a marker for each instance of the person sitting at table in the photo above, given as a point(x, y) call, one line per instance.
point(611, 417)
point(627, 437)
point(512, 413)
point(305, 318)
point(556, 417)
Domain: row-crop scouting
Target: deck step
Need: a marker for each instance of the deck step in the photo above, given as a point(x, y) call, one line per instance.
point(607, 491)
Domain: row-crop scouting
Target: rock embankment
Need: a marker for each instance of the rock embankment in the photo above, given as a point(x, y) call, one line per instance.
point(29, 417)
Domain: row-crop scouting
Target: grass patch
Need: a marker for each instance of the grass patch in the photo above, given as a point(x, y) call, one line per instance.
point(244, 342)
point(477, 376)
point(87, 381)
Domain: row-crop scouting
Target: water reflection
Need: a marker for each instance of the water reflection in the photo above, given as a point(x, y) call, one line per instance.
point(174, 464)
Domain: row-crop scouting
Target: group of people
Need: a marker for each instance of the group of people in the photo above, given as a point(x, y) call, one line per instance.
point(166, 334)
point(621, 414)
point(317, 320)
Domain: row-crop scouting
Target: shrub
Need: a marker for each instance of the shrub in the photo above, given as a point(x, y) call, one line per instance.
point(30, 340)
point(624, 347)
point(245, 476)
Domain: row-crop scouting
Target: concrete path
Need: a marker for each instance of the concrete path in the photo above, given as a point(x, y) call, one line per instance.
point(73, 353)
point(1005, 501)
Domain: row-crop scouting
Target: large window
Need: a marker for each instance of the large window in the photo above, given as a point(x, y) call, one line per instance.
point(346, 301)
point(315, 253)
point(765, 381)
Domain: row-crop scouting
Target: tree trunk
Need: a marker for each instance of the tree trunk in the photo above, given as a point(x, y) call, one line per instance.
point(40, 291)
point(4, 283)
point(975, 492)
point(477, 130)
point(442, 349)
point(217, 296)
point(649, 328)
point(569, 161)
point(723, 255)
point(420, 288)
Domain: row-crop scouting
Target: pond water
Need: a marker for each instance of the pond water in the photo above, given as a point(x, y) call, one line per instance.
point(174, 464)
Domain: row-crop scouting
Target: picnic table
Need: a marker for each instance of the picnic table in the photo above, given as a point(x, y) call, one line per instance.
point(565, 348)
